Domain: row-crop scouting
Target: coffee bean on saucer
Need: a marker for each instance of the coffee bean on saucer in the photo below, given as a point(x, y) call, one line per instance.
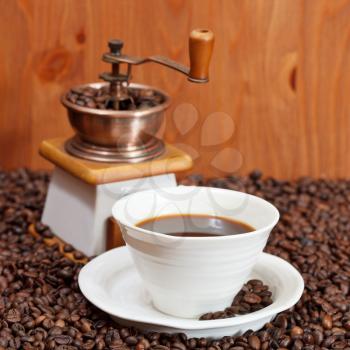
point(207, 316)
point(244, 302)
point(252, 298)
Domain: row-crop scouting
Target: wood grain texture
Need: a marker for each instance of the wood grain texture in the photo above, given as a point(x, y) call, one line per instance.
point(172, 160)
point(279, 79)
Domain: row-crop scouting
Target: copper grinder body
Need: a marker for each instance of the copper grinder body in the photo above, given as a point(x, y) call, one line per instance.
point(116, 136)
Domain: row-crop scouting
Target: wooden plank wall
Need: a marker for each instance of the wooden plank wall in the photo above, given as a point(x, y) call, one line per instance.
point(278, 98)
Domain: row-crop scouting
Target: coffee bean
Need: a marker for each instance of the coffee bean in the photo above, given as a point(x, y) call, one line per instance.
point(131, 340)
point(285, 341)
point(89, 92)
point(102, 98)
point(13, 315)
point(80, 102)
point(339, 345)
point(244, 302)
point(76, 90)
point(207, 316)
point(329, 341)
point(281, 321)
point(66, 347)
point(308, 339)
point(143, 344)
point(63, 339)
point(91, 104)
point(254, 342)
point(40, 227)
point(78, 255)
point(160, 347)
point(255, 175)
point(327, 321)
point(68, 248)
point(72, 97)
point(47, 233)
point(251, 298)
point(192, 343)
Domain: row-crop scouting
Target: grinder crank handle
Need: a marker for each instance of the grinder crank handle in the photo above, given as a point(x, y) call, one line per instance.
point(201, 43)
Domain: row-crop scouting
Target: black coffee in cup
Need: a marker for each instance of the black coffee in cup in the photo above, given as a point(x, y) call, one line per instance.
point(195, 225)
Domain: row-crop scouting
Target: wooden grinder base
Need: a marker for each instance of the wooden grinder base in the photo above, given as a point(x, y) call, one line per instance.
point(90, 175)
point(173, 160)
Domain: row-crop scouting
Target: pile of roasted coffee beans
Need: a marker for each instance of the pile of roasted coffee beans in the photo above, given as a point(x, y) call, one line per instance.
point(253, 296)
point(101, 98)
point(41, 306)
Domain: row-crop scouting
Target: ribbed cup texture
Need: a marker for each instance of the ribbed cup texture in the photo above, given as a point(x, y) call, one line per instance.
point(187, 277)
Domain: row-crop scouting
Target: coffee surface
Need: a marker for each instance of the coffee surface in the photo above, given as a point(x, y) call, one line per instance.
point(195, 225)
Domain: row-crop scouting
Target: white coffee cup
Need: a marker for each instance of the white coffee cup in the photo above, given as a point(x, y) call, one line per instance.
point(189, 276)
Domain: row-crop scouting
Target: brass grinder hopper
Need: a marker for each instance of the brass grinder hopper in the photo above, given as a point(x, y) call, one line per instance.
point(116, 121)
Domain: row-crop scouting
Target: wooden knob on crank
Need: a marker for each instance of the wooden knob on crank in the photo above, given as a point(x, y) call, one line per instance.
point(201, 45)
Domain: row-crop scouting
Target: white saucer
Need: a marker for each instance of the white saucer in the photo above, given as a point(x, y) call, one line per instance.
point(112, 283)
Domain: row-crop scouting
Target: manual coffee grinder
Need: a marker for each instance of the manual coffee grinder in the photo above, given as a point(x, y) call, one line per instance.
point(115, 150)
